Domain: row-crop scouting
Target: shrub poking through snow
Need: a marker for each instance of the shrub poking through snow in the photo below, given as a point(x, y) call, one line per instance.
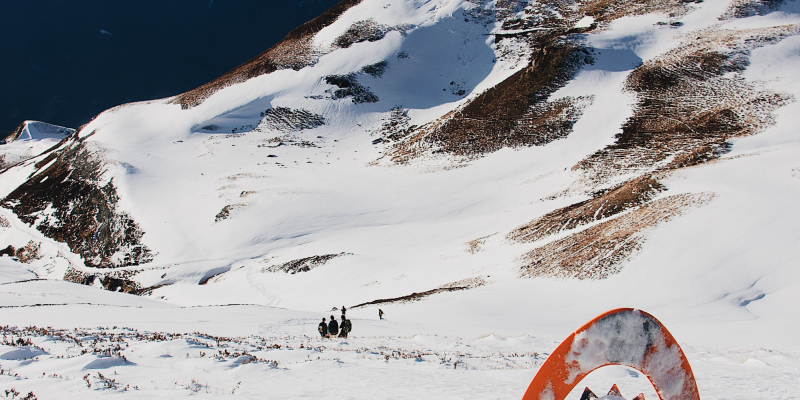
point(114, 280)
point(226, 211)
point(348, 86)
point(288, 120)
point(29, 253)
point(395, 126)
point(376, 70)
point(361, 31)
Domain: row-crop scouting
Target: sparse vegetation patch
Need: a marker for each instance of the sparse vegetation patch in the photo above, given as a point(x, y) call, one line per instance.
point(688, 106)
point(608, 10)
point(597, 252)
point(376, 70)
point(225, 213)
point(288, 120)
point(749, 8)
point(303, 264)
point(608, 203)
point(395, 126)
point(114, 280)
point(464, 284)
point(348, 86)
point(361, 31)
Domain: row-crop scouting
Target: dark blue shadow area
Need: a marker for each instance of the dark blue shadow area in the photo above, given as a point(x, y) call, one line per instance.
point(614, 60)
point(65, 61)
point(791, 7)
point(437, 64)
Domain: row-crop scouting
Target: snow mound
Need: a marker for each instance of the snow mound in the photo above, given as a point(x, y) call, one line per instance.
point(22, 353)
point(107, 362)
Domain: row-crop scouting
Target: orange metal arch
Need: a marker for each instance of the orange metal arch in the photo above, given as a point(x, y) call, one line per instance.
point(624, 336)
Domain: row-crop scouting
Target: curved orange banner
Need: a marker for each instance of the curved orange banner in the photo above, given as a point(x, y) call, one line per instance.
point(624, 336)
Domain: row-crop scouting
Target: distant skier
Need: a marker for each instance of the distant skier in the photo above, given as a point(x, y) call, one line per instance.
point(344, 310)
point(380, 313)
point(323, 328)
point(347, 326)
point(333, 327)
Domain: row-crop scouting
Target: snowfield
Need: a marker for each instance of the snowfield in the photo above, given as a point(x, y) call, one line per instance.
point(236, 224)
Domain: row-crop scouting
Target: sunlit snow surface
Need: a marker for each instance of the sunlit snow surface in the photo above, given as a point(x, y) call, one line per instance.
point(722, 278)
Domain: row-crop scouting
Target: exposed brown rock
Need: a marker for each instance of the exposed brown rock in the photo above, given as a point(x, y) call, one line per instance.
point(464, 284)
point(608, 10)
point(348, 86)
point(288, 120)
point(69, 201)
point(30, 252)
point(16, 133)
point(148, 290)
point(115, 281)
point(630, 194)
point(292, 52)
point(226, 211)
point(597, 252)
point(749, 8)
point(8, 251)
point(303, 264)
point(361, 31)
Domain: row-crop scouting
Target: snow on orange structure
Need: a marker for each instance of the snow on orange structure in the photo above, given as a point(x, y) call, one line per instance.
point(624, 336)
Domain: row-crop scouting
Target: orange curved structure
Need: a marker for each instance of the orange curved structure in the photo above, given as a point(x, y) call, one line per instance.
point(624, 336)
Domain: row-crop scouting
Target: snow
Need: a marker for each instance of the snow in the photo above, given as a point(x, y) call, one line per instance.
point(12, 271)
point(20, 353)
point(585, 22)
point(722, 278)
point(34, 138)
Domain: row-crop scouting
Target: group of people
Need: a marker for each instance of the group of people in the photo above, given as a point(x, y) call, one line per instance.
point(338, 329)
point(334, 328)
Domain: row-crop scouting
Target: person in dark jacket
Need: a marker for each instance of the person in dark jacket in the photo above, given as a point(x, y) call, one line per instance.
point(347, 326)
point(323, 328)
point(333, 327)
point(380, 313)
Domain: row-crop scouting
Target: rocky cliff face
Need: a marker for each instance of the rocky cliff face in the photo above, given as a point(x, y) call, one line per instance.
point(70, 199)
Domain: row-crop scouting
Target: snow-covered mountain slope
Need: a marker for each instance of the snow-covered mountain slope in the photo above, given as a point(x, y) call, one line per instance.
point(471, 167)
point(30, 139)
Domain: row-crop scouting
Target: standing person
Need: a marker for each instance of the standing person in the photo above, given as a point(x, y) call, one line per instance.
point(380, 313)
point(333, 327)
point(347, 326)
point(323, 328)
